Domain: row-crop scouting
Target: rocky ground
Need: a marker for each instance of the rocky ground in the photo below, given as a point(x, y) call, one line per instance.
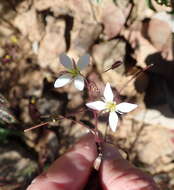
point(32, 35)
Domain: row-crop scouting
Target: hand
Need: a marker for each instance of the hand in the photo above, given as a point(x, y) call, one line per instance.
point(71, 171)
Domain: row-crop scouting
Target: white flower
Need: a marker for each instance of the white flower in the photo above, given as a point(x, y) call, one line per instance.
point(109, 105)
point(73, 72)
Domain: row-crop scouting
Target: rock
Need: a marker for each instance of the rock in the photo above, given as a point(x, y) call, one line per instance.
point(24, 165)
point(24, 107)
point(83, 36)
point(105, 54)
point(156, 149)
point(139, 12)
point(2, 52)
point(48, 106)
point(5, 30)
point(52, 44)
point(155, 117)
point(83, 11)
point(24, 6)
point(123, 4)
point(75, 101)
point(47, 147)
point(29, 25)
point(147, 140)
point(158, 32)
point(112, 18)
point(79, 9)
point(143, 48)
point(167, 48)
point(168, 18)
point(7, 10)
point(34, 83)
point(80, 29)
point(120, 83)
point(42, 5)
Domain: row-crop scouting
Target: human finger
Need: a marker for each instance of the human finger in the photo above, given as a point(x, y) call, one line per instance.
point(118, 174)
point(71, 170)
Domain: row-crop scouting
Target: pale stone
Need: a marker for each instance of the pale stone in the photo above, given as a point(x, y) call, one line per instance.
point(52, 44)
point(159, 32)
point(29, 25)
point(155, 117)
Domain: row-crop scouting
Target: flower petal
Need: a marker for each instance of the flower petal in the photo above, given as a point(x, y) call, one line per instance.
point(63, 80)
point(79, 82)
point(66, 61)
point(113, 120)
point(125, 107)
point(97, 105)
point(83, 62)
point(108, 94)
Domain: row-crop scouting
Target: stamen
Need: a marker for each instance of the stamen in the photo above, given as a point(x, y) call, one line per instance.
point(74, 72)
point(111, 106)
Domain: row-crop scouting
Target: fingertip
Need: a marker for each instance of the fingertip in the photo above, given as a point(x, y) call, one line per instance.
point(117, 173)
point(71, 170)
point(86, 146)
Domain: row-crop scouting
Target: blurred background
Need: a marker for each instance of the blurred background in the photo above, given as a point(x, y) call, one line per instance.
point(33, 33)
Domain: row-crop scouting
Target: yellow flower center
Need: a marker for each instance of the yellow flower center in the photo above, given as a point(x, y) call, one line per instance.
point(74, 72)
point(111, 106)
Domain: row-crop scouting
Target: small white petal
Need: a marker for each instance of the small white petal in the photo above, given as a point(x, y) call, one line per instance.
point(108, 94)
point(66, 61)
point(125, 107)
point(83, 62)
point(113, 120)
point(79, 82)
point(63, 80)
point(97, 105)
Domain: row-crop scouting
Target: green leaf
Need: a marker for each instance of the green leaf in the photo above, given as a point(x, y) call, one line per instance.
point(5, 133)
point(149, 4)
point(160, 2)
point(164, 2)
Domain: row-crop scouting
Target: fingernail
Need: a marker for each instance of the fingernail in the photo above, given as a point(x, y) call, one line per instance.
point(28, 188)
point(87, 131)
point(34, 180)
point(97, 163)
